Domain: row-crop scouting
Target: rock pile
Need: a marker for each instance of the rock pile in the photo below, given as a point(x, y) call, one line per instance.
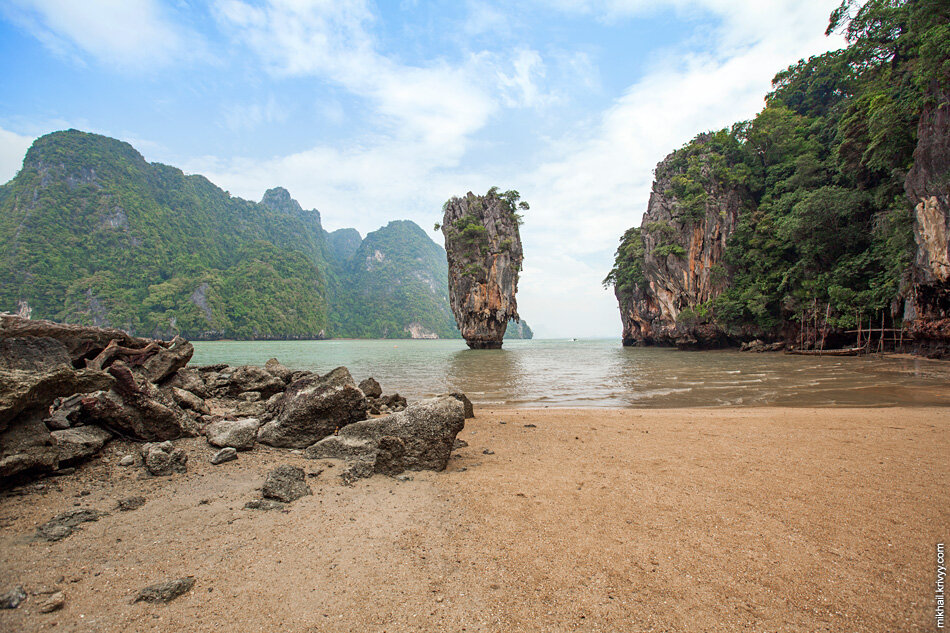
point(66, 390)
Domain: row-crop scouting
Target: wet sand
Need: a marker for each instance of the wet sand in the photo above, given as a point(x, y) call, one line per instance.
point(753, 519)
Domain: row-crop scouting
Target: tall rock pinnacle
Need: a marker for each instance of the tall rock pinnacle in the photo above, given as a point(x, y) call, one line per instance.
point(484, 252)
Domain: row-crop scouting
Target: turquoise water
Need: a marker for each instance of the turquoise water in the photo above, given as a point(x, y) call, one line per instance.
point(602, 373)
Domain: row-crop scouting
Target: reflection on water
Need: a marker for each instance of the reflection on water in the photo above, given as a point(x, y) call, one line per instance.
point(602, 373)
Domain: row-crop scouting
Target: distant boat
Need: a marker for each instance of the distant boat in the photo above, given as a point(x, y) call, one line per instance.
point(573, 339)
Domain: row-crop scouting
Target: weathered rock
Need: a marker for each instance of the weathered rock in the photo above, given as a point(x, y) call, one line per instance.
point(188, 400)
point(190, 380)
point(927, 302)
point(13, 598)
point(35, 354)
point(128, 460)
point(687, 278)
point(459, 444)
point(371, 388)
point(483, 246)
point(227, 454)
point(130, 503)
point(135, 409)
point(76, 444)
point(251, 409)
point(274, 367)
point(264, 504)
point(466, 403)
point(239, 434)
point(62, 525)
point(162, 459)
point(23, 390)
point(356, 470)
point(286, 483)
point(312, 408)
point(251, 378)
point(166, 591)
point(394, 402)
point(250, 396)
point(420, 438)
point(54, 602)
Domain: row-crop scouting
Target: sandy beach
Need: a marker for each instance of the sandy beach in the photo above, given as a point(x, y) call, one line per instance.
point(756, 519)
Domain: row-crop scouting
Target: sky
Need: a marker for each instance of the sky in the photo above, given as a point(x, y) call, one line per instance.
point(376, 111)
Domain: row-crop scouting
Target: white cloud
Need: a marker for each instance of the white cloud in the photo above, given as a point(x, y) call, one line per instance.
point(237, 117)
point(129, 35)
point(13, 148)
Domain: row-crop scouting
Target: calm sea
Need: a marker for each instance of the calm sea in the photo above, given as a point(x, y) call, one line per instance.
point(602, 373)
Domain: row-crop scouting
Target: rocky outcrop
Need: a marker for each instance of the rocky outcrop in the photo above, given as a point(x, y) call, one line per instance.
point(312, 408)
point(65, 390)
point(419, 438)
point(483, 247)
point(675, 259)
point(927, 305)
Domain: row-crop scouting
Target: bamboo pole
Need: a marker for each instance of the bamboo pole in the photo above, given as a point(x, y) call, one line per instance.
point(824, 328)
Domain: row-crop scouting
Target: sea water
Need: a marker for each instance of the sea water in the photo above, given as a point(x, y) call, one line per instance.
point(603, 373)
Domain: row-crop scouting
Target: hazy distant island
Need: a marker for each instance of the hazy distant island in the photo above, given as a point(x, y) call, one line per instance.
point(91, 233)
point(827, 213)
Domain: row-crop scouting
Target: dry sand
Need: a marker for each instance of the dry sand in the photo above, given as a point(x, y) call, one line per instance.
point(596, 520)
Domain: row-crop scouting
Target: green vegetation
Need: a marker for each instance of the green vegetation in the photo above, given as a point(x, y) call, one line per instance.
point(92, 233)
point(823, 168)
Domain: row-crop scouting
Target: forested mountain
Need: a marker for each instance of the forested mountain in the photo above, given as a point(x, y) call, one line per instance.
point(829, 208)
point(92, 233)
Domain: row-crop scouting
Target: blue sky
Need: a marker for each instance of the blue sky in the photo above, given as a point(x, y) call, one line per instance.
point(374, 111)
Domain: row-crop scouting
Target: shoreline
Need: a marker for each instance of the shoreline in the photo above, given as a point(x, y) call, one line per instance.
point(715, 519)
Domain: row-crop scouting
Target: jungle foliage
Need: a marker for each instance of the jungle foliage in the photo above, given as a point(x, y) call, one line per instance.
point(823, 166)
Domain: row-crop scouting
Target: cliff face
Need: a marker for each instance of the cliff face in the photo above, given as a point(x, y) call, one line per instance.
point(680, 247)
point(484, 253)
point(927, 306)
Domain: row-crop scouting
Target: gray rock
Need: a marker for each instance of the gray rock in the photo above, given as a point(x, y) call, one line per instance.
point(163, 459)
point(22, 390)
point(251, 378)
point(190, 380)
point(130, 503)
point(371, 388)
point(188, 400)
point(286, 483)
point(314, 407)
point(12, 598)
point(359, 469)
point(64, 524)
point(420, 438)
point(239, 434)
point(251, 409)
point(166, 591)
point(459, 444)
point(250, 396)
point(55, 602)
point(78, 443)
point(274, 367)
point(64, 413)
point(264, 504)
point(227, 454)
point(128, 460)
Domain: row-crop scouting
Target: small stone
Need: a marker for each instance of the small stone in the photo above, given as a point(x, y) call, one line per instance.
point(264, 504)
point(165, 591)
point(12, 598)
point(54, 603)
point(286, 483)
point(224, 455)
point(62, 525)
point(128, 460)
point(530, 426)
point(459, 444)
point(488, 452)
point(371, 388)
point(130, 503)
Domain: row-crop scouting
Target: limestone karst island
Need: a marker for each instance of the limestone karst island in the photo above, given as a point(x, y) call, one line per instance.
point(267, 270)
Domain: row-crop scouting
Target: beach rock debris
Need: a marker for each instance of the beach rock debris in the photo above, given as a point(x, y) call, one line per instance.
point(164, 592)
point(420, 438)
point(162, 459)
point(130, 503)
point(286, 483)
point(228, 454)
point(55, 602)
point(12, 598)
point(64, 524)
